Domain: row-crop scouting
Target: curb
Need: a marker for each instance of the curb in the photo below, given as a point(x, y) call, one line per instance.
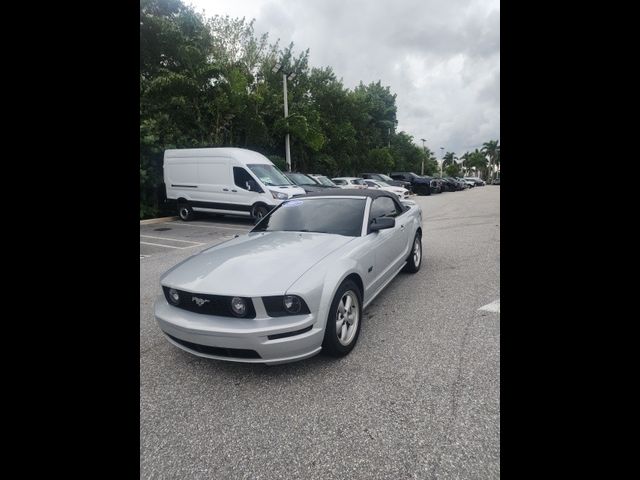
point(157, 220)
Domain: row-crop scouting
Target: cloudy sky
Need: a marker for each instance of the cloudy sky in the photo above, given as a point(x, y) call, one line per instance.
point(441, 57)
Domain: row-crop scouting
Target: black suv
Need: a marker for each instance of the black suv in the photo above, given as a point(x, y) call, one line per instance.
point(385, 178)
point(419, 185)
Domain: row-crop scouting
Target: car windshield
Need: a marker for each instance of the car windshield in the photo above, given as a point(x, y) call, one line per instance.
point(301, 179)
point(385, 178)
point(269, 175)
point(325, 181)
point(382, 184)
point(340, 216)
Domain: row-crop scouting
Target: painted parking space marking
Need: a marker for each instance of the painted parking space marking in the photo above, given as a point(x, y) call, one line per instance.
point(214, 226)
point(170, 239)
point(165, 246)
point(491, 307)
point(167, 242)
point(144, 256)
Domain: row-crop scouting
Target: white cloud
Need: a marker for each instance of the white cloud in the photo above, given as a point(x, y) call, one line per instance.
point(441, 58)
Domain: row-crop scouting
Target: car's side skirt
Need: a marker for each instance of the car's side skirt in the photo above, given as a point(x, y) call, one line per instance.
point(382, 287)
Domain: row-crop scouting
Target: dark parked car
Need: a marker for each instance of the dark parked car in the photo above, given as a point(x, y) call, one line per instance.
point(436, 185)
point(305, 182)
point(453, 184)
point(385, 178)
point(419, 185)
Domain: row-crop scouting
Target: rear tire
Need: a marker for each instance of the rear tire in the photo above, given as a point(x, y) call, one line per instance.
point(185, 212)
point(343, 323)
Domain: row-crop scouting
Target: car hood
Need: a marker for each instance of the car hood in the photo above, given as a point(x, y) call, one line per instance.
point(290, 190)
point(256, 264)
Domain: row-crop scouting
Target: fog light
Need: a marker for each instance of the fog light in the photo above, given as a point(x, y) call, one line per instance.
point(174, 296)
point(292, 304)
point(238, 306)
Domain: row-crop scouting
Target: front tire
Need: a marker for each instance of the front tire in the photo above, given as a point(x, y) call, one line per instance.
point(415, 256)
point(258, 211)
point(343, 324)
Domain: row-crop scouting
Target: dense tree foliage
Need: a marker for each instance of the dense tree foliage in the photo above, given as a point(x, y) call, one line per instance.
point(209, 82)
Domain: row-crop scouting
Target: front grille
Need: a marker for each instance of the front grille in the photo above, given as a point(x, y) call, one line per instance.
point(210, 304)
point(217, 351)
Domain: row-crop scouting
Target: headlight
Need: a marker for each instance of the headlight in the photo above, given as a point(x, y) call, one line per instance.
point(279, 195)
point(238, 306)
point(174, 296)
point(291, 303)
point(283, 305)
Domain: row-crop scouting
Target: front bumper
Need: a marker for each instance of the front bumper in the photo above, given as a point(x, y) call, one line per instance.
point(224, 338)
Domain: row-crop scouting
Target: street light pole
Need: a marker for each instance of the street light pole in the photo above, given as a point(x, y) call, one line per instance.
point(425, 154)
point(285, 76)
point(442, 162)
point(286, 114)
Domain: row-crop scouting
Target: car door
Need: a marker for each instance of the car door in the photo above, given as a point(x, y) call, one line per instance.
point(245, 190)
point(388, 244)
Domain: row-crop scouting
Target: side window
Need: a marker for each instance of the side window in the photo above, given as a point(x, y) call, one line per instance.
point(243, 180)
point(384, 207)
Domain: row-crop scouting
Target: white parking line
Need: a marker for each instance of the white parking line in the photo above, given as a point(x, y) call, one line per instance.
point(492, 307)
point(170, 239)
point(208, 226)
point(170, 246)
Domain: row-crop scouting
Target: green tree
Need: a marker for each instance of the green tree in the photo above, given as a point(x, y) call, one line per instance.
point(453, 170)
point(492, 150)
point(476, 161)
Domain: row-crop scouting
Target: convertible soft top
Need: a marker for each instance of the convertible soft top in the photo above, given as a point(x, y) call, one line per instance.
point(350, 192)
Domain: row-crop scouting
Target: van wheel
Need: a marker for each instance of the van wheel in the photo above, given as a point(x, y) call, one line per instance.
point(185, 212)
point(258, 212)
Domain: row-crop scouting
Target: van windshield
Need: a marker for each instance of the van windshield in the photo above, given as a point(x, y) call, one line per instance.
point(269, 175)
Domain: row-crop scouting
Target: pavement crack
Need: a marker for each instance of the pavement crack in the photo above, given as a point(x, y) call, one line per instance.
point(456, 390)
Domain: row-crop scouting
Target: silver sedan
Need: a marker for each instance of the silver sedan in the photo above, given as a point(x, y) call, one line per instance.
point(294, 285)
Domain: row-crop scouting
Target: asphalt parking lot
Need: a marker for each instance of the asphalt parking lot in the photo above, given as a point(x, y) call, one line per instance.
point(419, 396)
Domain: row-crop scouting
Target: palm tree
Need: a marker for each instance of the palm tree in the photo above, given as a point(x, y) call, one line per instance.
point(449, 159)
point(465, 163)
point(492, 150)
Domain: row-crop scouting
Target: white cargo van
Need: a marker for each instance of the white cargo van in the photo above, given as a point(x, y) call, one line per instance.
point(224, 180)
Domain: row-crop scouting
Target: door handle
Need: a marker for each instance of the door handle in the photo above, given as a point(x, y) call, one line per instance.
point(225, 189)
point(401, 227)
point(234, 190)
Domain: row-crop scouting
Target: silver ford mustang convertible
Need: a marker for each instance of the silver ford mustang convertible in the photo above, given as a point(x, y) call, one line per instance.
point(295, 284)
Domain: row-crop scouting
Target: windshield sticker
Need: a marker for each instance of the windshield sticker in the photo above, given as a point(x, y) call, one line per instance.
point(293, 203)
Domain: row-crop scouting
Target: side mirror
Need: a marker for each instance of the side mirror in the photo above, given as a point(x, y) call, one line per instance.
point(382, 223)
point(252, 185)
